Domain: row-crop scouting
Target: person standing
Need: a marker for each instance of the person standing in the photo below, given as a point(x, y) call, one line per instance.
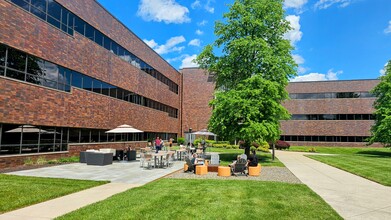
point(157, 144)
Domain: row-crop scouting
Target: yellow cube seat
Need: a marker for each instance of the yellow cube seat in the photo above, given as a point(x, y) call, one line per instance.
point(224, 171)
point(254, 171)
point(201, 170)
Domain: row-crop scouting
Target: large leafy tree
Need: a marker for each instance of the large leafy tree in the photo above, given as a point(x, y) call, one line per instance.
point(381, 130)
point(252, 71)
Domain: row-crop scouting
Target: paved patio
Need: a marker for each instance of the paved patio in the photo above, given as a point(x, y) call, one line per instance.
point(118, 172)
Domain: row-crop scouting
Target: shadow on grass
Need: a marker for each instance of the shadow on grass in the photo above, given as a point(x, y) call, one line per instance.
point(230, 157)
point(381, 154)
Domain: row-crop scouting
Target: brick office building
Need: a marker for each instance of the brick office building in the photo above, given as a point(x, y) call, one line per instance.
point(73, 71)
point(328, 113)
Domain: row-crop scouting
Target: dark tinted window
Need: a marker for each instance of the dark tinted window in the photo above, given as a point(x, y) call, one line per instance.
point(107, 43)
point(35, 66)
point(54, 10)
point(113, 92)
point(87, 83)
point(22, 4)
point(16, 59)
point(99, 38)
point(77, 80)
point(79, 25)
point(39, 4)
point(2, 54)
point(105, 89)
point(90, 32)
point(54, 22)
point(97, 86)
point(15, 74)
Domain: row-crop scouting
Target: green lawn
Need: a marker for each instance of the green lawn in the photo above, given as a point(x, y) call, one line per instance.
point(375, 166)
point(228, 155)
point(18, 191)
point(210, 199)
point(368, 162)
point(342, 150)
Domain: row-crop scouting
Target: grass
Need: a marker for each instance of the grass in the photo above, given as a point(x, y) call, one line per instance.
point(210, 199)
point(375, 167)
point(368, 162)
point(342, 150)
point(228, 155)
point(20, 191)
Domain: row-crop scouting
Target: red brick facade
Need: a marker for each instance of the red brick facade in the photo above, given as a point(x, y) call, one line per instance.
point(23, 103)
point(197, 92)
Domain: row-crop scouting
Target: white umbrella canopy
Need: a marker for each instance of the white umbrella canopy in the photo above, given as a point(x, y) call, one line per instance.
point(124, 129)
point(27, 129)
point(204, 132)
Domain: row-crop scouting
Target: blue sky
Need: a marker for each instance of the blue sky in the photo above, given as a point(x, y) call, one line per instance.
point(333, 39)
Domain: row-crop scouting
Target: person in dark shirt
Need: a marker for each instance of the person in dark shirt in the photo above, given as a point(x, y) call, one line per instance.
point(252, 161)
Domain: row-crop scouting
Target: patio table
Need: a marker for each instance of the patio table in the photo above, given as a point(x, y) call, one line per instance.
point(159, 154)
point(179, 153)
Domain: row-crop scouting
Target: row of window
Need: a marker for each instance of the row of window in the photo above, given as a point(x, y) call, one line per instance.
point(334, 117)
point(63, 19)
point(323, 138)
point(40, 139)
point(331, 95)
point(19, 65)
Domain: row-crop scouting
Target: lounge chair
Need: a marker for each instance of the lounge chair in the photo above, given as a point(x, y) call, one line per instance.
point(239, 167)
point(189, 165)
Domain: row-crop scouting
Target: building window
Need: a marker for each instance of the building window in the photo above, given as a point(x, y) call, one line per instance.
point(331, 95)
point(333, 117)
point(323, 138)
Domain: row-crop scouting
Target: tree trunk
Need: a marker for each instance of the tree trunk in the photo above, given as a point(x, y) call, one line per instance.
point(247, 146)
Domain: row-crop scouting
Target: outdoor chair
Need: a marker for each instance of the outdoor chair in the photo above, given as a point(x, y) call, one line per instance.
point(240, 167)
point(190, 166)
point(145, 158)
point(214, 159)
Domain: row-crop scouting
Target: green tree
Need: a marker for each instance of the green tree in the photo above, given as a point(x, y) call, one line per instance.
point(381, 130)
point(252, 71)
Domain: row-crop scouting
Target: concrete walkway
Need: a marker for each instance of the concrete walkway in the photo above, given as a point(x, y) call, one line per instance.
point(123, 176)
point(353, 197)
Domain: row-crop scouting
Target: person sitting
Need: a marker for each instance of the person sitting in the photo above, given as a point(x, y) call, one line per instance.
point(239, 157)
point(252, 161)
point(195, 162)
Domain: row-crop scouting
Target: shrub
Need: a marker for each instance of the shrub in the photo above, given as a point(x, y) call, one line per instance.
point(312, 149)
point(53, 161)
point(228, 147)
point(280, 145)
point(210, 142)
point(68, 159)
point(28, 161)
point(264, 147)
point(41, 161)
point(181, 140)
point(219, 145)
point(222, 142)
point(235, 146)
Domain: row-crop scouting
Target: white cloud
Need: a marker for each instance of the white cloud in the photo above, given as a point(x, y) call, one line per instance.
point(169, 46)
point(209, 8)
point(167, 11)
point(296, 4)
point(298, 59)
point(195, 42)
point(202, 23)
point(383, 71)
point(199, 32)
point(151, 43)
point(330, 75)
point(324, 4)
point(188, 61)
point(295, 34)
point(196, 4)
point(388, 29)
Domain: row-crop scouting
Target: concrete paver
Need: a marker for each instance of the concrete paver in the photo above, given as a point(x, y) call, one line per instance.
point(353, 197)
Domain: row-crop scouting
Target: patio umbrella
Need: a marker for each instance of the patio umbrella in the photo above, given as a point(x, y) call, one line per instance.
point(204, 132)
point(122, 129)
point(27, 129)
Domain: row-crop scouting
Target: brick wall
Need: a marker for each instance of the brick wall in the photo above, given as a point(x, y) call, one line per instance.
point(23, 103)
point(197, 92)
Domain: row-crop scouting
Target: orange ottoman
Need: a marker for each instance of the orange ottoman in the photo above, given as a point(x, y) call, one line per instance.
point(201, 170)
point(185, 167)
point(254, 171)
point(224, 171)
